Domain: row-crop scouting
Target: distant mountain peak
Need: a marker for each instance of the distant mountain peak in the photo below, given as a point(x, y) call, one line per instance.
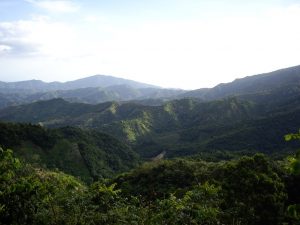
point(105, 81)
point(97, 80)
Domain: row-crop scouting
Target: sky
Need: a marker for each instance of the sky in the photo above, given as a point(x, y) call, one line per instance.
point(186, 44)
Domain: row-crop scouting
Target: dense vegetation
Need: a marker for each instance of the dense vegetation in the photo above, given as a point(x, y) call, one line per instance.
point(180, 127)
point(250, 190)
point(89, 155)
point(65, 171)
point(257, 112)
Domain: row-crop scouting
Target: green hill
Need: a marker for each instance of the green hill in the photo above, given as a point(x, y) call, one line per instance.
point(258, 112)
point(91, 95)
point(85, 154)
point(179, 127)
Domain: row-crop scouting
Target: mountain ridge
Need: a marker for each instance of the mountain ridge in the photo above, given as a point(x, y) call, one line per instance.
point(91, 81)
point(179, 127)
point(250, 84)
point(243, 109)
point(95, 89)
point(101, 88)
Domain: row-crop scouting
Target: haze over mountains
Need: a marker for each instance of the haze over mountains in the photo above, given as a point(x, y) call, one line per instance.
point(105, 150)
point(250, 114)
point(100, 88)
point(93, 90)
point(92, 81)
point(263, 83)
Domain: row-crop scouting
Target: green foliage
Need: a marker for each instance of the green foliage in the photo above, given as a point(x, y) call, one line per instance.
point(179, 127)
point(198, 206)
point(85, 154)
point(243, 191)
point(289, 137)
point(20, 191)
point(294, 162)
point(35, 196)
point(64, 202)
point(253, 191)
point(293, 210)
point(160, 179)
point(104, 196)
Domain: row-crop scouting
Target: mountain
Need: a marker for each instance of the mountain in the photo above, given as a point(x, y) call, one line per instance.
point(30, 86)
point(33, 86)
point(94, 95)
point(288, 78)
point(257, 112)
point(99, 88)
point(93, 90)
point(104, 81)
point(173, 114)
point(85, 154)
point(206, 182)
point(179, 127)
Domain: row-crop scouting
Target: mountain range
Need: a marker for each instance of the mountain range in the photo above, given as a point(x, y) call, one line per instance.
point(100, 88)
point(95, 89)
point(251, 114)
point(93, 81)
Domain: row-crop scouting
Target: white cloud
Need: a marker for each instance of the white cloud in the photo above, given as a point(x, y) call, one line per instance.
point(91, 18)
point(4, 49)
point(206, 52)
point(186, 54)
point(39, 37)
point(57, 6)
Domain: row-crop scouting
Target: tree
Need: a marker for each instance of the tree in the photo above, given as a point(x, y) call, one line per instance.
point(294, 162)
point(38, 197)
point(20, 190)
point(293, 210)
point(253, 192)
point(198, 206)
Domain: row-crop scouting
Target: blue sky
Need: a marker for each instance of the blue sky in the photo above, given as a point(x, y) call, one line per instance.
point(172, 43)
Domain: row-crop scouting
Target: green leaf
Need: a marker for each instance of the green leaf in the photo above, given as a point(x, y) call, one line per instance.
point(288, 137)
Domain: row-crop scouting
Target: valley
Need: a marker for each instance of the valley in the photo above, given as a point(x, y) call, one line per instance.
point(249, 117)
point(111, 154)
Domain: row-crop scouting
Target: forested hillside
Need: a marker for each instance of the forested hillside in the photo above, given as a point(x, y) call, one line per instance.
point(196, 122)
point(88, 155)
point(155, 160)
point(250, 191)
point(179, 127)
